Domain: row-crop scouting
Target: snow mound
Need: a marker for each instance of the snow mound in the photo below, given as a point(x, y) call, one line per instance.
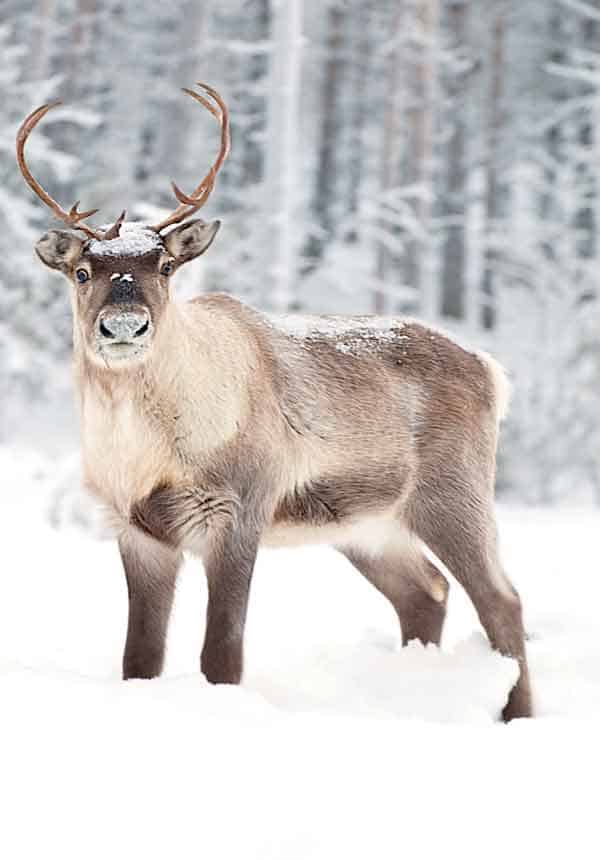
point(339, 744)
point(376, 676)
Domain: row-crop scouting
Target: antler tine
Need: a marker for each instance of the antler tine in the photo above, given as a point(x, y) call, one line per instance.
point(190, 203)
point(77, 216)
point(72, 217)
point(202, 101)
point(113, 232)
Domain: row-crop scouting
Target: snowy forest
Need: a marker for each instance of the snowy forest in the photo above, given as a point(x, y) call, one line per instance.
point(435, 158)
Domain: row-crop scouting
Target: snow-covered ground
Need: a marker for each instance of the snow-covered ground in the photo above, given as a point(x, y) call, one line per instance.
point(339, 744)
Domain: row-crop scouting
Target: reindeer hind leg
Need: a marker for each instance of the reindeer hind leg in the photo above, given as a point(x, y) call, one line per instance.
point(461, 530)
point(415, 588)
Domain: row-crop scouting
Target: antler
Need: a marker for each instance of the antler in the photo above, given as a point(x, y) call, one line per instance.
point(73, 217)
point(190, 203)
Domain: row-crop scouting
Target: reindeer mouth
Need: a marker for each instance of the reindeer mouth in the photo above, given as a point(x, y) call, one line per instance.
point(121, 352)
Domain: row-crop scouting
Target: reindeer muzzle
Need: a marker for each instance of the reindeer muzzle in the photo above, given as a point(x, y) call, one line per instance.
point(124, 327)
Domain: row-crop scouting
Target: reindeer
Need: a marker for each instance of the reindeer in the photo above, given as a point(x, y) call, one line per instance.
point(210, 428)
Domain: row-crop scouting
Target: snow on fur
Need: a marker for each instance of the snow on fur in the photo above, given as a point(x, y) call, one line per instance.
point(135, 240)
point(314, 325)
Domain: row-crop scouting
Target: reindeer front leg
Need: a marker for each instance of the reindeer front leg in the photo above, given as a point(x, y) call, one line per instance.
point(225, 530)
point(229, 562)
point(151, 568)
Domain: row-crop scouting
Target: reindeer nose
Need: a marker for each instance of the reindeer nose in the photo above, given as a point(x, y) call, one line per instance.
point(124, 325)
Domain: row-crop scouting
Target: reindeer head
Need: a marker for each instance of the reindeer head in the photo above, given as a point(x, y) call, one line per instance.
point(120, 275)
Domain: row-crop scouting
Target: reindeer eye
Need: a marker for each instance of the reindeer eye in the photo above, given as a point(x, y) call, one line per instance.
point(82, 276)
point(167, 269)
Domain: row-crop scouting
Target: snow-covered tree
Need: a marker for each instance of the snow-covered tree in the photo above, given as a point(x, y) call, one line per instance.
point(434, 157)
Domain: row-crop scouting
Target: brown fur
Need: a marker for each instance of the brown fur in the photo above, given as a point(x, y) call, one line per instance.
point(227, 432)
point(400, 579)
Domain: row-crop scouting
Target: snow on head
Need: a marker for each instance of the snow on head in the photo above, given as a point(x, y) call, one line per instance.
point(135, 240)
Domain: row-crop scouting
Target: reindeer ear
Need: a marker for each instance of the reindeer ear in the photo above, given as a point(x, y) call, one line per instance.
point(59, 249)
point(191, 239)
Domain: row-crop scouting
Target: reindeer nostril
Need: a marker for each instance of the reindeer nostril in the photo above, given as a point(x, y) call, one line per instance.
point(143, 329)
point(105, 331)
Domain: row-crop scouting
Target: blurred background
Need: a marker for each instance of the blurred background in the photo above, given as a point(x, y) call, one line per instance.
point(437, 158)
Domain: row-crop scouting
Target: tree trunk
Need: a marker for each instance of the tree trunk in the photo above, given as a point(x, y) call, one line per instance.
point(391, 145)
point(324, 190)
point(77, 79)
point(360, 37)
point(453, 267)
point(37, 67)
point(494, 127)
point(173, 144)
point(427, 269)
point(419, 263)
point(257, 29)
point(281, 184)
